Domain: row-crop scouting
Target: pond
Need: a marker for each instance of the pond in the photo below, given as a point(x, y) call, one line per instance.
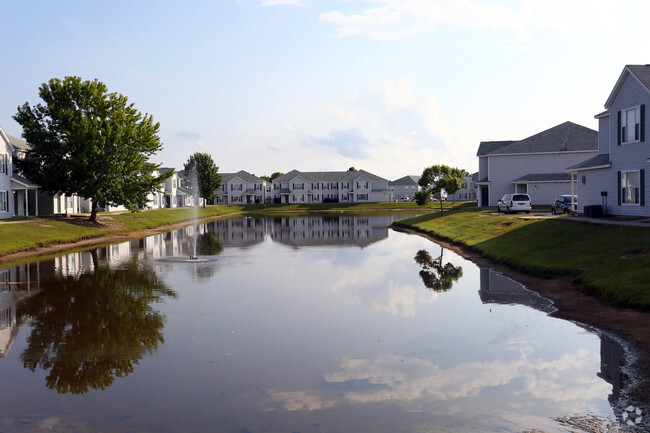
point(330, 323)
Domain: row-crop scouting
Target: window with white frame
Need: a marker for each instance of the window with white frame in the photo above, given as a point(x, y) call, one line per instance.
point(4, 201)
point(630, 187)
point(630, 125)
point(4, 163)
point(362, 197)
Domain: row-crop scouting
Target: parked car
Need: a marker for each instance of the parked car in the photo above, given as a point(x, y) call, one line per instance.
point(515, 203)
point(562, 204)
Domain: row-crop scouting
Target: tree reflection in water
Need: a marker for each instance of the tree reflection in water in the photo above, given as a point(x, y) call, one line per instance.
point(435, 275)
point(89, 329)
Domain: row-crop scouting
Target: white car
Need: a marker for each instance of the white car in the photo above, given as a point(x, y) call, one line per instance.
point(514, 203)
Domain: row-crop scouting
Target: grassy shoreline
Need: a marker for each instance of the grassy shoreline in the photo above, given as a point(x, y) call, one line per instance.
point(610, 262)
point(29, 234)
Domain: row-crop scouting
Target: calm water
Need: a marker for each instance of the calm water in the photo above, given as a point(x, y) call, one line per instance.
point(315, 324)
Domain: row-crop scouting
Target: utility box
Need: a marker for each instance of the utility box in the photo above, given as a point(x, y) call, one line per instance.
point(593, 211)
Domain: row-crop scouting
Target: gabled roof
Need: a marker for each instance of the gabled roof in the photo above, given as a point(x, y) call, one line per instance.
point(243, 175)
point(406, 180)
point(14, 142)
point(640, 72)
point(487, 147)
point(328, 176)
point(565, 137)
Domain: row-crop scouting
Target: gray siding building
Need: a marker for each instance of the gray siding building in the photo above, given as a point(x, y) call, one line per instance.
point(535, 165)
point(615, 179)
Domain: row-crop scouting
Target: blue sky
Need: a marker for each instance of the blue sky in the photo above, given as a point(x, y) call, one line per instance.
point(390, 86)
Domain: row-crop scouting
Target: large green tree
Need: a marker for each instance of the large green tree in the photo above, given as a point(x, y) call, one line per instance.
point(208, 179)
point(87, 141)
point(435, 180)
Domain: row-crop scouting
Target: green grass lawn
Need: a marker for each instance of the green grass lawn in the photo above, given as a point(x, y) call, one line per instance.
point(611, 262)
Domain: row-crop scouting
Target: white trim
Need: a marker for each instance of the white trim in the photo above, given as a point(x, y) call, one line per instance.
point(623, 203)
point(620, 126)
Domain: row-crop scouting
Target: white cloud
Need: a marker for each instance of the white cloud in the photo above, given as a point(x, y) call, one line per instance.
point(395, 18)
point(411, 380)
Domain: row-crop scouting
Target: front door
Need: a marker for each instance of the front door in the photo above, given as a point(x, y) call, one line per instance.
point(485, 197)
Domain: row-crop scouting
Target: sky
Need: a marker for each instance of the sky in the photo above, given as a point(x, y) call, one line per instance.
point(388, 86)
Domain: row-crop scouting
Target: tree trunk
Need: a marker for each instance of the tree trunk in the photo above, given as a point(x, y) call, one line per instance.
point(440, 198)
point(93, 212)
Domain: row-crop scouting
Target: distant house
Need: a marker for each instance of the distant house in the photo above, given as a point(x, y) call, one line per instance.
point(242, 188)
point(18, 196)
point(615, 178)
point(330, 187)
point(535, 165)
point(404, 188)
point(468, 191)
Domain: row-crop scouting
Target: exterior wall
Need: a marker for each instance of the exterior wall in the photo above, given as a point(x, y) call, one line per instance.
point(298, 189)
point(589, 186)
point(504, 169)
point(603, 135)
point(543, 193)
point(401, 191)
point(630, 156)
point(5, 179)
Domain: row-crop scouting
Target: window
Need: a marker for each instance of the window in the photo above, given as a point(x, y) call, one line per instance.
point(630, 187)
point(630, 125)
point(4, 201)
point(298, 186)
point(362, 197)
point(236, 187)
point(3, 164)
point(362, 185)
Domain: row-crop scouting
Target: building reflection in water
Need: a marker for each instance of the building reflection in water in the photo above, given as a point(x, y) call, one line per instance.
point(496, 288)
point(18, 283)
point(49, 293)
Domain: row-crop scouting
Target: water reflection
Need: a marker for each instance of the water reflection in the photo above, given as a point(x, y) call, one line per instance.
point(299, 324)
point(434, 274)
point(90, 327)
point(496, 288)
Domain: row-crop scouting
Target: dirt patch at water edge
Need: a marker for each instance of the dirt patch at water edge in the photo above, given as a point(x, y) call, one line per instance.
point(631, 325)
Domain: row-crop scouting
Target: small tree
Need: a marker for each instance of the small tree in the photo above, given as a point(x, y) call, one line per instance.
point(435, 180)
point(455, 182)
point(207, 174)
point(89, 142)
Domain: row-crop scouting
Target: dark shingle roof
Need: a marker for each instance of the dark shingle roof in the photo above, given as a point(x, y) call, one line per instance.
point(565, 137)
point(406, 180)
point(601, 160)
point(487, 147)
point(641, 72)
point(243, 175)
point(18, 143)
point(328, 176)
point(545, 177)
